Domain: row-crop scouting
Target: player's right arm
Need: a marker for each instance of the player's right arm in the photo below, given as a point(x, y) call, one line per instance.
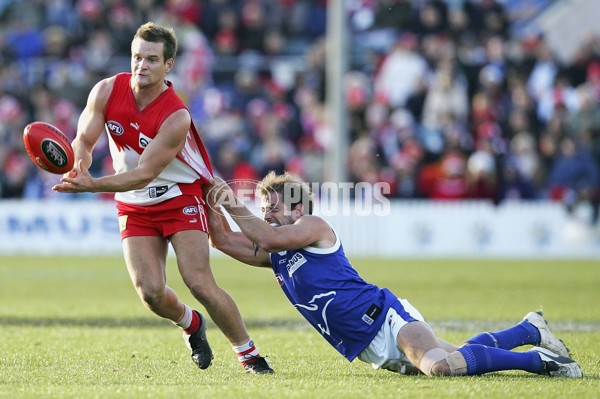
point(91, 122)
point(233, 243)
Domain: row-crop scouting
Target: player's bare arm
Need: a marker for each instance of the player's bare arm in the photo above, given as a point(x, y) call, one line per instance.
point(156, 156)
point(291, 232)
point(233, 243)
point(91, 122)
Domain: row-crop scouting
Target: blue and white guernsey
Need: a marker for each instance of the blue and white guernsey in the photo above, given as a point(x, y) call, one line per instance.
point(329, 293)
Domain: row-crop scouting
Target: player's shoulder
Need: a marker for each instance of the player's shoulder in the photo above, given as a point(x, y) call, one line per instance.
point(314, 219)
point(314, 222)
point(103, 88)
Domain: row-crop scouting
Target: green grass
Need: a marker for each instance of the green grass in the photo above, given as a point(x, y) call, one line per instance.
point(74, 328)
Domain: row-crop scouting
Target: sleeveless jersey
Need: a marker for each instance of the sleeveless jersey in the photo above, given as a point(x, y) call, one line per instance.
point(329, 293)
point(131, 130)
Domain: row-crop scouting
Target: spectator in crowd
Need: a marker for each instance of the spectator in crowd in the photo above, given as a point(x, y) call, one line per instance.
point(466, 78)
point(574, 176)
point(445, 179)
point(404, 60)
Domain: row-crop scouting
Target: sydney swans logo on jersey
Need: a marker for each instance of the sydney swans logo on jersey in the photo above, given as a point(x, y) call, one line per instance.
point(115, 128)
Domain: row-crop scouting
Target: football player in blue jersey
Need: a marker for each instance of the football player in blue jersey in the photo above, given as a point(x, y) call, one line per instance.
point(361, 320)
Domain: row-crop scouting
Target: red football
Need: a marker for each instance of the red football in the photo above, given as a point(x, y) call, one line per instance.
point(48, 147)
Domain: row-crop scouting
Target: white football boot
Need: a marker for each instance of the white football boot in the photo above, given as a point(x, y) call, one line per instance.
point(558, 366)
point(547, 340)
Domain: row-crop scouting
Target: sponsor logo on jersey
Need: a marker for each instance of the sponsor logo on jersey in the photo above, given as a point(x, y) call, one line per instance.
point(372, 313)
point(155, 192)
point(279, 278)
point(144, 140)
point(136, 126)
point(294, 264)
point(114, 128)
point(190, 210)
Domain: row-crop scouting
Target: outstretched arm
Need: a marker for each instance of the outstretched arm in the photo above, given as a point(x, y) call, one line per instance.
point(306, 230)
point(160, 151)
point(233, 243)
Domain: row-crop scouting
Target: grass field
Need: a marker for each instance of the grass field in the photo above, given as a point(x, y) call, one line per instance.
point(74, 328)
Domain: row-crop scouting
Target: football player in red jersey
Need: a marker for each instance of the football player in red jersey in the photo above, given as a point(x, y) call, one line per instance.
point(161, 165)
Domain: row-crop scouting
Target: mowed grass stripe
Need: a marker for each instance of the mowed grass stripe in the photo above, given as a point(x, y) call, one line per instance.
point(438, 325)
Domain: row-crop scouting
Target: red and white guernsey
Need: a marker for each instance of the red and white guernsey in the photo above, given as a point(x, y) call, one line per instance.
point(131, 130)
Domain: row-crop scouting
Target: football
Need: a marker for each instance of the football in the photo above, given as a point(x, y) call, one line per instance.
point(48, 147)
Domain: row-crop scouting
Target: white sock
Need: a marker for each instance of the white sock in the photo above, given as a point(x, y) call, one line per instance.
point(246, 351)
point(186, 319)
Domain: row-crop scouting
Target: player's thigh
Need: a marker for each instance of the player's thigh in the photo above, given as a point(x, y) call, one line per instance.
point(192, 252)
point(145, 257)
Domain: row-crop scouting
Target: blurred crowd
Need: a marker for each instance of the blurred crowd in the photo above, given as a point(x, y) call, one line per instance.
point(445, 100)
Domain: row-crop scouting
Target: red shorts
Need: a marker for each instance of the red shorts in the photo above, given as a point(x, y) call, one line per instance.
point(185, 212)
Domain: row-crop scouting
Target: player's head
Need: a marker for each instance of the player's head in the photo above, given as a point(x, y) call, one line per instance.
point(154, 33)
point(287, 188)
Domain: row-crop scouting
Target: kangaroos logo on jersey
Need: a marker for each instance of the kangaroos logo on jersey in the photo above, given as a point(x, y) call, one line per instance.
point(295, 263)
point(114, 128)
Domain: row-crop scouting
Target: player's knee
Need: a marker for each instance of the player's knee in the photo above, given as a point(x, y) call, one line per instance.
point(151, 296)
point(202, 292)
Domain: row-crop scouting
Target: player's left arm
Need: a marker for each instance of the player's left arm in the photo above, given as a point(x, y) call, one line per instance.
point(233, 243)
point(156, 156)
point(306, 230)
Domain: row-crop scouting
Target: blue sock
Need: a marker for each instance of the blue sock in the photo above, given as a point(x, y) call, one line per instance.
point(484, 359)
point(521, 334)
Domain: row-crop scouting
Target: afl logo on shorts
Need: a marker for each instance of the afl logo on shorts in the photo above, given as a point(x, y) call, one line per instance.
point(114, 128)
point(190, 210)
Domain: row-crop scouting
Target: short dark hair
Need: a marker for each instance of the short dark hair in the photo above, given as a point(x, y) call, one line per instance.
point(154, 33)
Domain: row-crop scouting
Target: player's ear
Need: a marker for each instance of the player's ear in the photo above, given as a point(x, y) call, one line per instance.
point(170, 62)
point(298, 210)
